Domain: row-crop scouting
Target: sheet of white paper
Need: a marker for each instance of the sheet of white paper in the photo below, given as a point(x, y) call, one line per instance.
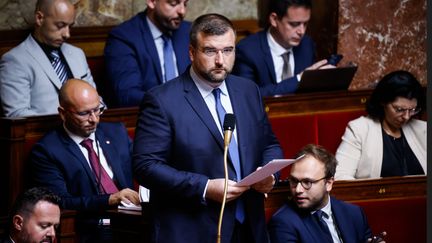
point(269, 169)
point(144, 196)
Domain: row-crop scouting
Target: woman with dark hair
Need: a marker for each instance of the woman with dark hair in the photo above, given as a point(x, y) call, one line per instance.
point(389, 141)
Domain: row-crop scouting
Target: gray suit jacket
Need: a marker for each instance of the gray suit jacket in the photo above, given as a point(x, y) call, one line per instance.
point(29, 84)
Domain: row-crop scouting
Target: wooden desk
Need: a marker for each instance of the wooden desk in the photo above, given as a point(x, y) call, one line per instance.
point(134, 226)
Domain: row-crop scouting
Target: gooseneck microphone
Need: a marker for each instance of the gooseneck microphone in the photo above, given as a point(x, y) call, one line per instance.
point(228, 128)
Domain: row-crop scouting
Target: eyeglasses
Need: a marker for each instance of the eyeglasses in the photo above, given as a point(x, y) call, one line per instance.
point(211, 52)
point(86, 114)
point(411, 111)
point(306, 183)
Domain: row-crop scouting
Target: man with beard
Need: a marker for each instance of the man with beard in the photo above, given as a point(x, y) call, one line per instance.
point(147, 50)
point(32, 73)
point(281, 52)
point(312, 215)
point(87, 163)
point(179, 147)
point(34, 217)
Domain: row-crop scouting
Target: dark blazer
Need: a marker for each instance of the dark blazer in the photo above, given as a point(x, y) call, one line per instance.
point(132, 61)
point(254, 62)
point(289, 224)
point(58, 163)
point(178, 148)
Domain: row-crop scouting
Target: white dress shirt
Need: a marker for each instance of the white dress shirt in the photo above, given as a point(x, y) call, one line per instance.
point(159, 42)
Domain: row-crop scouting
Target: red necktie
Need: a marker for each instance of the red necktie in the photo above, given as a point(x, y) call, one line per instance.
point(106, 184)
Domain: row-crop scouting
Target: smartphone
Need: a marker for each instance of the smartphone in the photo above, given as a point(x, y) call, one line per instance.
point(334, 59)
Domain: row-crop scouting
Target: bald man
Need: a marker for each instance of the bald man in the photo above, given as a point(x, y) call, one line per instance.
point(87, 163)
point(32, 73)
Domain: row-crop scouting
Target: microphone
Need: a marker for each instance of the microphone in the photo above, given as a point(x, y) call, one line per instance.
point(228, 128)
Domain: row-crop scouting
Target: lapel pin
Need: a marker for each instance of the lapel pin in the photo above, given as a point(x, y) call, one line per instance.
point(108, 142)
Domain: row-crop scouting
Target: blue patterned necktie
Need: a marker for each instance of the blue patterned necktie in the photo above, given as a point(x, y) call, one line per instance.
point(233, 151)
point(168, 55)
point(323, 225)
point(59, 66)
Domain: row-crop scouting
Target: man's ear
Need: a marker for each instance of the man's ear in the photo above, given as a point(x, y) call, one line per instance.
point(151, 4)
point(329, 184)
point(191, 52)
point(18, 222)
point(39, 18)
point(273, 18)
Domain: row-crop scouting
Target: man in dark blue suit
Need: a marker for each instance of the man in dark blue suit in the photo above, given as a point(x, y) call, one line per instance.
point(312, 215)
point(178, 148)
point(134, 51)
point(89, 182)
point(275, 58)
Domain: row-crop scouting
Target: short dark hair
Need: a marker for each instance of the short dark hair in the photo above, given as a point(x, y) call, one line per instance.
point(323, 155)
point(210, 24)
point(25, 203)
point(280, 7)
point(395, 84)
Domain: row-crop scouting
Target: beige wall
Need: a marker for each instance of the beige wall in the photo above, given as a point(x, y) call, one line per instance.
point(18, 14)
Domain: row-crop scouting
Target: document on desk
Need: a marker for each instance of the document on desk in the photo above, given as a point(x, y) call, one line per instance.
point(269, 169)
point(144, 196)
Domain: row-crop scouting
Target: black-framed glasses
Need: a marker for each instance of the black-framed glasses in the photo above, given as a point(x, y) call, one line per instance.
point(211, 52)
point(306, 183)
point(400, 110)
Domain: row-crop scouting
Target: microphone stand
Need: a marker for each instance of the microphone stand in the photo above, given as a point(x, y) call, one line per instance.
point(224, 195)
point(228, 129)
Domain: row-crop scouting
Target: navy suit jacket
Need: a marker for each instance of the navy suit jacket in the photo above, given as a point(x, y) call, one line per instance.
point(58, 163)
point(132, 61)
point(254, 62)
point(289, 224)
point(178, 148)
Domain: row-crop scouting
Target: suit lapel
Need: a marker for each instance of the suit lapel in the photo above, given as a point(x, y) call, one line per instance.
point(238, 107)
point(112, 158)
point(268, 60)
point(344, 227)
point(76, 152)
point(42, 60)
point(150, 46)
point(312, 227)
point(194, 98)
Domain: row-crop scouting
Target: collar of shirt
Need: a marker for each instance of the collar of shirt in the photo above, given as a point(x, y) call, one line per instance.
point(276, 51)
point(78, 139)
point(46, 48)
point(206, 93)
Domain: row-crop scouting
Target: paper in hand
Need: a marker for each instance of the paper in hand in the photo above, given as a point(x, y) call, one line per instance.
point(269, 169)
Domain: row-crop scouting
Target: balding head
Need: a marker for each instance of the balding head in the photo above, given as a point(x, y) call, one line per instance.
point(80, 107)
point(76, 91)
point(53, 19)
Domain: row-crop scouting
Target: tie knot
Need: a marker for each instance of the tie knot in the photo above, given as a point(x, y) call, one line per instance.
point(55, 54)
point(285, 56)
point(321, 214)
point(216, 93)
point(166, 37)
point(87, 143)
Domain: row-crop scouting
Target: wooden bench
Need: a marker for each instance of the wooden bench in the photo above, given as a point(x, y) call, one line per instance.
point(396, 205)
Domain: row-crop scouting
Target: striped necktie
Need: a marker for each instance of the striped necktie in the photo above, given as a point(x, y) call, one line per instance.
point(59, 66)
